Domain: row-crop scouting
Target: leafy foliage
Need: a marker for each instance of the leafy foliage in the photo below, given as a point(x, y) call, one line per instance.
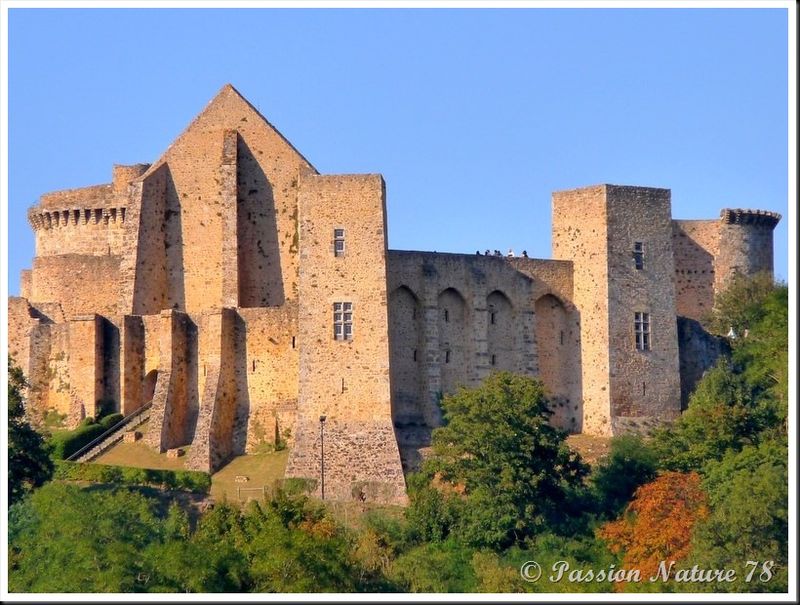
point(629, 464)
point(503, 471)
point(436, 567)
point(748, 495)
point(723, 415)
point(741, 305)
point(658, 523)
point(763, 356)
point(65, 443)
point(67, 539)
point(29, 464)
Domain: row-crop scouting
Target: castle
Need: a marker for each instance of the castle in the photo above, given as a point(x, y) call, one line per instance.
point(252, 299)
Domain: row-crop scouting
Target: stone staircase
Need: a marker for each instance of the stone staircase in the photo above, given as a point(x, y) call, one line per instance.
point(112, 436)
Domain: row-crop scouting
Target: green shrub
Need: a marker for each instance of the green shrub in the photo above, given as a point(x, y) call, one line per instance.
point(299, 485)
point(65, 444)
point(108, 421)
point(123, 475)
point(629, 464)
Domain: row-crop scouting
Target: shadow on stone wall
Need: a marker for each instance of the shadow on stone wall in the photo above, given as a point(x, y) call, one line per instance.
point(173, 246)
point(242, 412)
point(698, 351)
point(260, 275)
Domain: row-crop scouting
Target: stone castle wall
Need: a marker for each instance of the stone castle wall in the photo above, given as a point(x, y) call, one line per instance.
point(643, 384)
point(206, 283)
point(695, 245)
point(346, 380)
point(580, 235)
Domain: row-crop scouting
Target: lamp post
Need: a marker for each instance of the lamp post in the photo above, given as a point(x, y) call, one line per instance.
point(322, 454)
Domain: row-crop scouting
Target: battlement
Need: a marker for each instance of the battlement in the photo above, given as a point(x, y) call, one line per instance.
point(52, 218)
point(739, 216)
point(98, 204)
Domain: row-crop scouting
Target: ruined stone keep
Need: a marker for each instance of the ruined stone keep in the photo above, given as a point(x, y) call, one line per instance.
point(246, 296)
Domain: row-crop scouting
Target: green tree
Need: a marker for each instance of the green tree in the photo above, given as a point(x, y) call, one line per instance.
point(283, 545)
point(29, 465)
point(749, 520)
point(436, 567)
point(67, 539)
point(741, 305)
point(743, 399)
point(498, 457)
point(763, 355)
point(724, 414)
point(630, 463)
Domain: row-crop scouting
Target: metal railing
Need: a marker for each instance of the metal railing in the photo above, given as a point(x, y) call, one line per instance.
point(114, 429)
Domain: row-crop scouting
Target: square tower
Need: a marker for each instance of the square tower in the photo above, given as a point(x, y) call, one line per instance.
point(620, 242)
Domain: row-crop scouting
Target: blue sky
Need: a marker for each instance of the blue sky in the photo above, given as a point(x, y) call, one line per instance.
point(472, 116)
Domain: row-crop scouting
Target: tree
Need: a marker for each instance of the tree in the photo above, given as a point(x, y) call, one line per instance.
point(741, 304)
point(742, 400)
point(749, 520)
point(757, 310)
point(67, 539)
point(630, 463)
point(657, 524)
point(763, 356)
point(723, 414)
point(498, 458)
point(29, 465)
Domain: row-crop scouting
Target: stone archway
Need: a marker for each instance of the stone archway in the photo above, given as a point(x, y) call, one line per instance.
point(500, 337)
point(554, 339)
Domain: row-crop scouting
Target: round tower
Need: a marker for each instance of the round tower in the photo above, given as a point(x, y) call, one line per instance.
point(745, 244)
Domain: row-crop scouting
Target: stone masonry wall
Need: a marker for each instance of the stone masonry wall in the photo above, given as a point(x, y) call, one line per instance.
point(206, 282)
point(214, 437)
point(745, 244)
point(699, 351)
point(272, 352)
point(21, 321)
point(345, 380)
point(557, 331)
point(450, 317)
point(82, 284)
point(580, 235)
point(695, 244)
point(85, 364)
point(208, 207)
point(644, 384)
point(170, 414)
point(143, 266)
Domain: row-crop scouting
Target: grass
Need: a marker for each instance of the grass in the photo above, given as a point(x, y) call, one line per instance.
point(261, 470)
point(139, 455)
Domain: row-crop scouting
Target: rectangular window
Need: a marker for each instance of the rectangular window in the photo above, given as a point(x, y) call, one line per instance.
point(638, 255)
point(641, 327)
point(343, 321)
point(338, 242)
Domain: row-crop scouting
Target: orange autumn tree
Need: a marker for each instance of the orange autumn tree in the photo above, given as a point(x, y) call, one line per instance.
point(657, 524)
